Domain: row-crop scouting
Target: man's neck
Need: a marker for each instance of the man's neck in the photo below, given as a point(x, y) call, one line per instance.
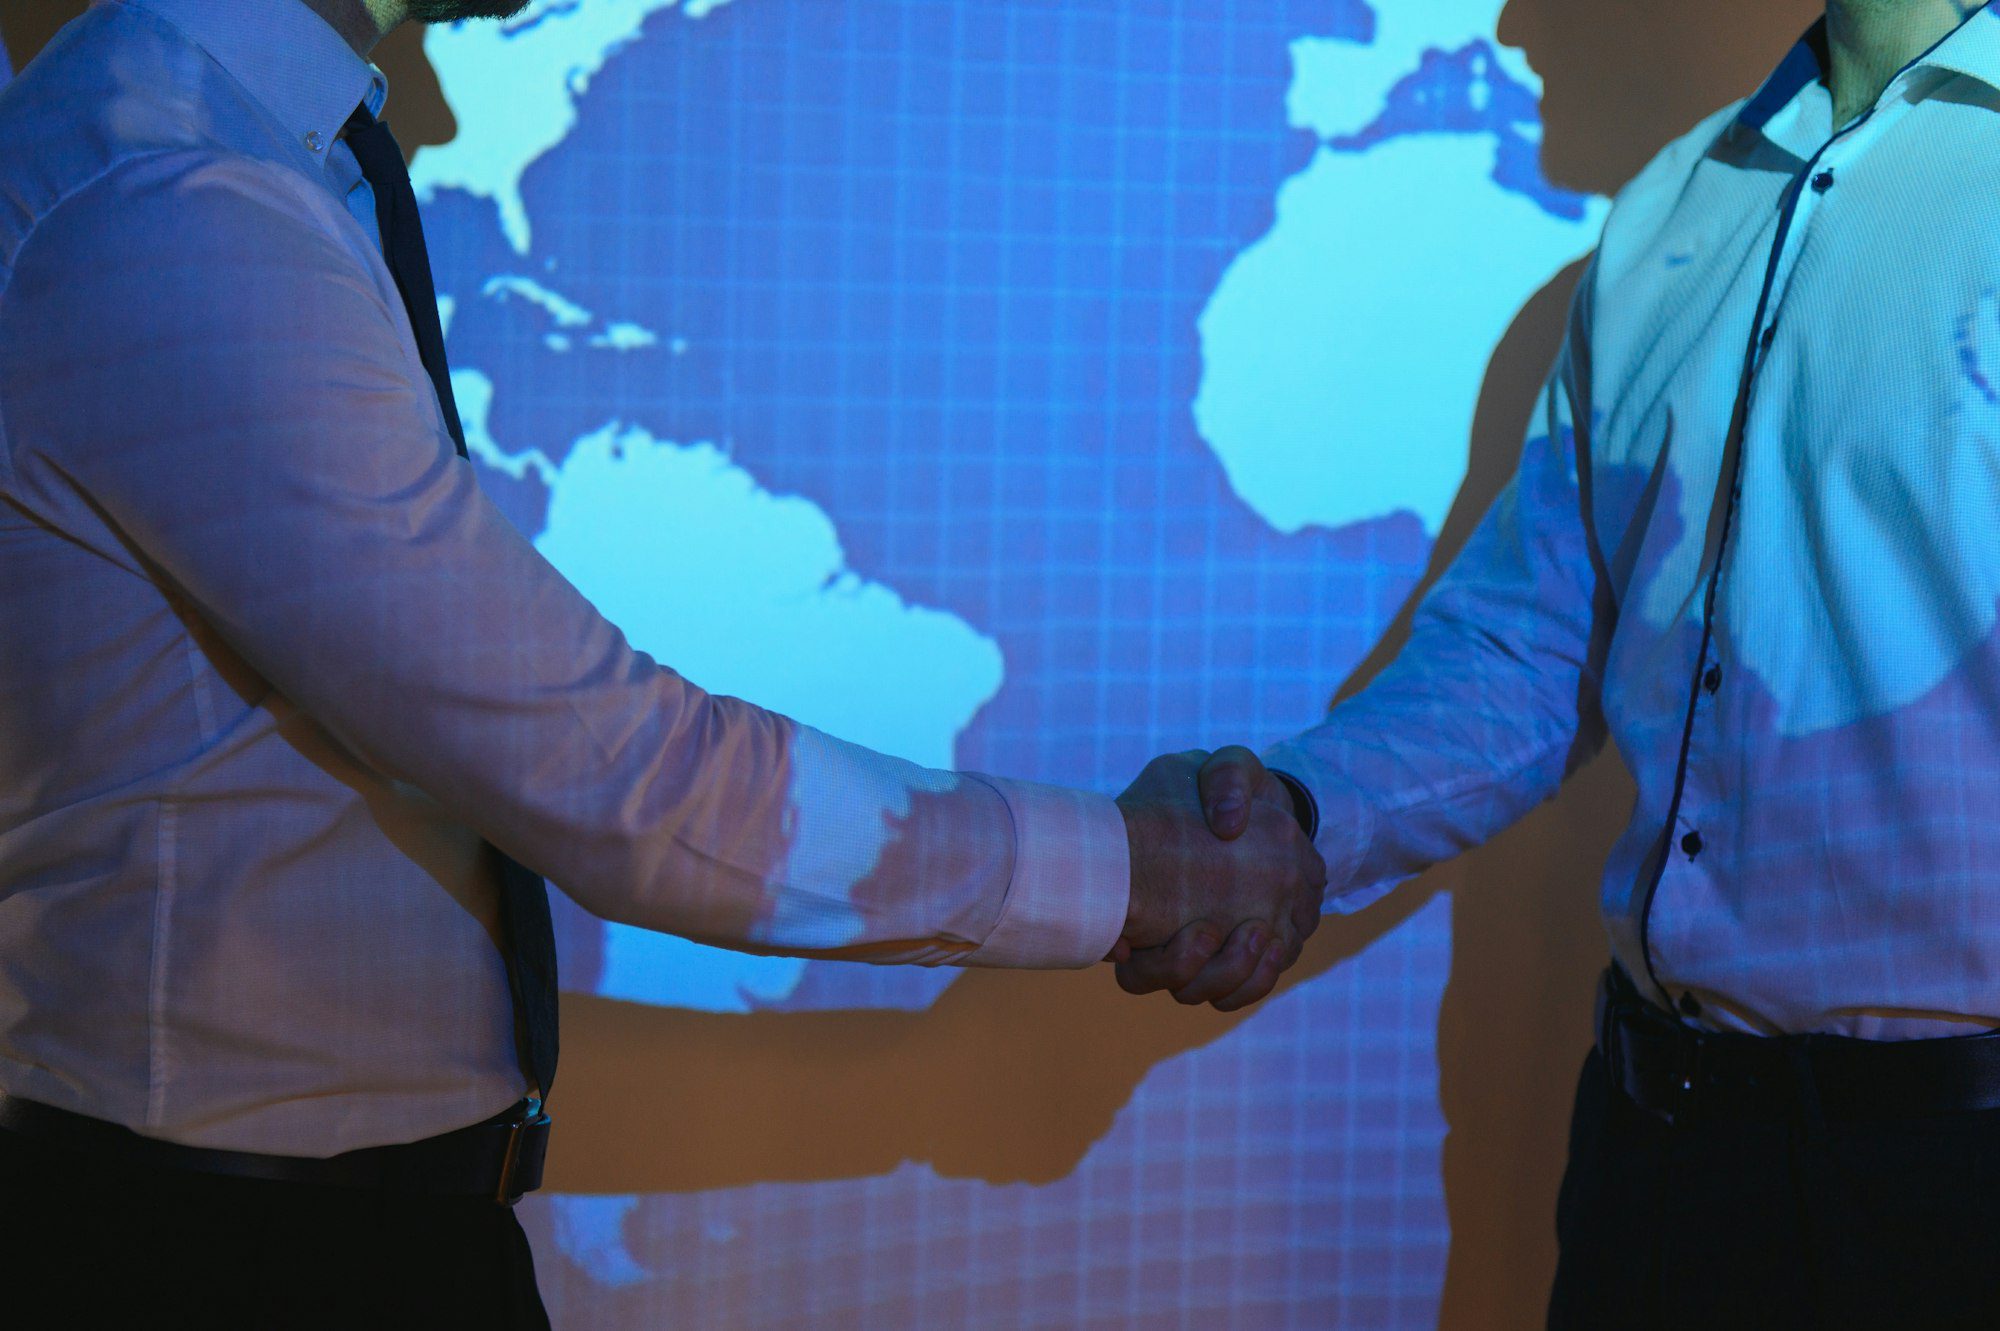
point(362, 23)
point(1870, 40)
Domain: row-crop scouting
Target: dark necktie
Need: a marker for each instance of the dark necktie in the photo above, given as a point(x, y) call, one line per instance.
point(528, 937)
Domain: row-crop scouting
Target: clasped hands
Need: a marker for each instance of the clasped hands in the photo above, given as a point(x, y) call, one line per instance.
point(1225, 886)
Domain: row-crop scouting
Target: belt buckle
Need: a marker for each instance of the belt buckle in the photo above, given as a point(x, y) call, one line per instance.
point(531, 1116)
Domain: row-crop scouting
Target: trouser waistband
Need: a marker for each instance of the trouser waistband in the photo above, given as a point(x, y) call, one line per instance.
point(1682, 1074)
point(500, 1158)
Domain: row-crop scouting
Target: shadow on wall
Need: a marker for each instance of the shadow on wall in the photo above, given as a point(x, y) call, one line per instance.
point(805, 1096)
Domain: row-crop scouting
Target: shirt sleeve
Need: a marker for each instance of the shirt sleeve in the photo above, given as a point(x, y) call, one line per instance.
point(1495, 697)
point(200, 350)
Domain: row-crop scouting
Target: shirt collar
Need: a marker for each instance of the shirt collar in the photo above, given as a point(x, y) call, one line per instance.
point(1803, 66)
point(286, 56)
point(1972, 49)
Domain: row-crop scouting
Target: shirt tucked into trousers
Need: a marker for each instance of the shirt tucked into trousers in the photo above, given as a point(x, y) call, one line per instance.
point(1754, 542)
point(293, 721)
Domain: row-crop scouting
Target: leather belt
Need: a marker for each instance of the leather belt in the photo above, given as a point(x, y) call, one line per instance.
point(1683, 1075)
point(500, 1159)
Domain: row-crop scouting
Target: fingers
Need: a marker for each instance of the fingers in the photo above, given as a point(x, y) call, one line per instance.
point(1277, 958)
point(1245, 970)
point(1253, 949)
point(1223, 848)
point(1171, 965)
point(1263, 947)
point(1228, 781)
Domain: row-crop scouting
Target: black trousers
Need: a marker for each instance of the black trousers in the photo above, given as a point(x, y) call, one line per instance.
point(1879, 1225)
point(84, 1244)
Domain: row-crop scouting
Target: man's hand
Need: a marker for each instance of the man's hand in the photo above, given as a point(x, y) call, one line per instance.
point(1225, 886)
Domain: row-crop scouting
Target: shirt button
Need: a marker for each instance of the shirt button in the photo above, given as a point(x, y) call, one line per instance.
point(1822, 182)
point(315, 140)
point(1691, 844)
point(1712, 678)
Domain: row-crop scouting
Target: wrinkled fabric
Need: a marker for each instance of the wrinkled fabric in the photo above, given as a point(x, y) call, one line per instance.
point(272, 666)
point(1818, 760)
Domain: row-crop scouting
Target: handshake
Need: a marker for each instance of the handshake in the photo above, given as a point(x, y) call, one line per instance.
point(1226, 887)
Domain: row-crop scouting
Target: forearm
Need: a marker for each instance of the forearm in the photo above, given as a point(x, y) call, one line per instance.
point(725, 823)
point(1413, 770)
point(279, 465)
point(1493, 700)
point(465, 665)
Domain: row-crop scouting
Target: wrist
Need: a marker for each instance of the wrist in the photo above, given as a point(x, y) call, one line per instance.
point(1304, 807)
point(1141, 929)
point(1133, 851)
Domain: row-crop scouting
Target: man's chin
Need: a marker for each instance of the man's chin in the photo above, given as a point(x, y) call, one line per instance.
point(450, 11)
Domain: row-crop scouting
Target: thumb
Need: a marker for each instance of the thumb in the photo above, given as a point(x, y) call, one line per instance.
point(1226, 781)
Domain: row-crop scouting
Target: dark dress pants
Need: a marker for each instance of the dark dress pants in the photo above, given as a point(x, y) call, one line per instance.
point(1882, 1225)
point(84, 1244)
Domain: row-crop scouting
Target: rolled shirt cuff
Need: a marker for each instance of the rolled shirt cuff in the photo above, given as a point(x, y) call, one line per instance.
point(1072, 885)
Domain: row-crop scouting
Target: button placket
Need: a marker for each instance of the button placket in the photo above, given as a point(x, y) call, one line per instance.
point(1699, 778)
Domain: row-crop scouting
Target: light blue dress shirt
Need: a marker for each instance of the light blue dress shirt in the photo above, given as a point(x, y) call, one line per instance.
point(273, 671)
point(1755, 540)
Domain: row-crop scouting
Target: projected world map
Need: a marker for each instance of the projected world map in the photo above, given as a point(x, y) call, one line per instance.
point(1029, 388)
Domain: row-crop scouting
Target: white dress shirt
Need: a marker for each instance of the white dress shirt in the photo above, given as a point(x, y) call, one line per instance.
point(1782, 367)
point(271, 666)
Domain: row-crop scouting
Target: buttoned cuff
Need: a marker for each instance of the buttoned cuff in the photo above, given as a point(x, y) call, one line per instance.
point(1072, 883)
